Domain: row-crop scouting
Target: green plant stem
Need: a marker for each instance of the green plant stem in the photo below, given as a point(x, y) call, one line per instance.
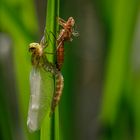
point(50, 127)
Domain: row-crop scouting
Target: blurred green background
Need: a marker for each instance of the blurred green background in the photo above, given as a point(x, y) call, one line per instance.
point(101, 97)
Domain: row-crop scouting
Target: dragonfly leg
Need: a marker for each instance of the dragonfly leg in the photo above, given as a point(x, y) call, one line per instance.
point(61, 22)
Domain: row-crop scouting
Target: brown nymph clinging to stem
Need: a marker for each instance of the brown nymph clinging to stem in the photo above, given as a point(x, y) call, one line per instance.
point(65, 35)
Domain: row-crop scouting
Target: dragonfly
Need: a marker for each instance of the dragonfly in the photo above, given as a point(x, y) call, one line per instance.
point(41, 81)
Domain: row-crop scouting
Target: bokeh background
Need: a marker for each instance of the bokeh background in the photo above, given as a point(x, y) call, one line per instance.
point(101, 98)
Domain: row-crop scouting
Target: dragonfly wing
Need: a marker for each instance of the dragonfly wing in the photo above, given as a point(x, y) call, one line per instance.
point(40, 82)
point(43, 42)
point(35, 87)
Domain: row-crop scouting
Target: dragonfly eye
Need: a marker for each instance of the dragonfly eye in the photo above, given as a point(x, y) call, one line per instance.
point(33, 47)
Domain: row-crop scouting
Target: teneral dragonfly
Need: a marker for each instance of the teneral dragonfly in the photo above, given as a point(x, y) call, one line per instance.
point(41, 81)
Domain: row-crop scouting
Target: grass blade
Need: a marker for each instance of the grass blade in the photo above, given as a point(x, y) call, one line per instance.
point(50, 127)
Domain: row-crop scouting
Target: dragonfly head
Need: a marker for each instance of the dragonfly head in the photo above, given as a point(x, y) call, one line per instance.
point(33, 47)
point(36, 53)
point(71, 23)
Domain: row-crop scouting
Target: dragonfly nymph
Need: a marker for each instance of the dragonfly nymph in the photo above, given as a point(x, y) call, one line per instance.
point(65, 34)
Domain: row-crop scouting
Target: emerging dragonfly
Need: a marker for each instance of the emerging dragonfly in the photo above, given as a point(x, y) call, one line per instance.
point(65, 35)
point(41, 78)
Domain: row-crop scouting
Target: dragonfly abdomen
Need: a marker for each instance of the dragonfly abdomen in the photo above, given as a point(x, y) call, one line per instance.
point(58, 91)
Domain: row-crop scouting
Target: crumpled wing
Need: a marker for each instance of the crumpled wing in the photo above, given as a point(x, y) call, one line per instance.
point(42, 89)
